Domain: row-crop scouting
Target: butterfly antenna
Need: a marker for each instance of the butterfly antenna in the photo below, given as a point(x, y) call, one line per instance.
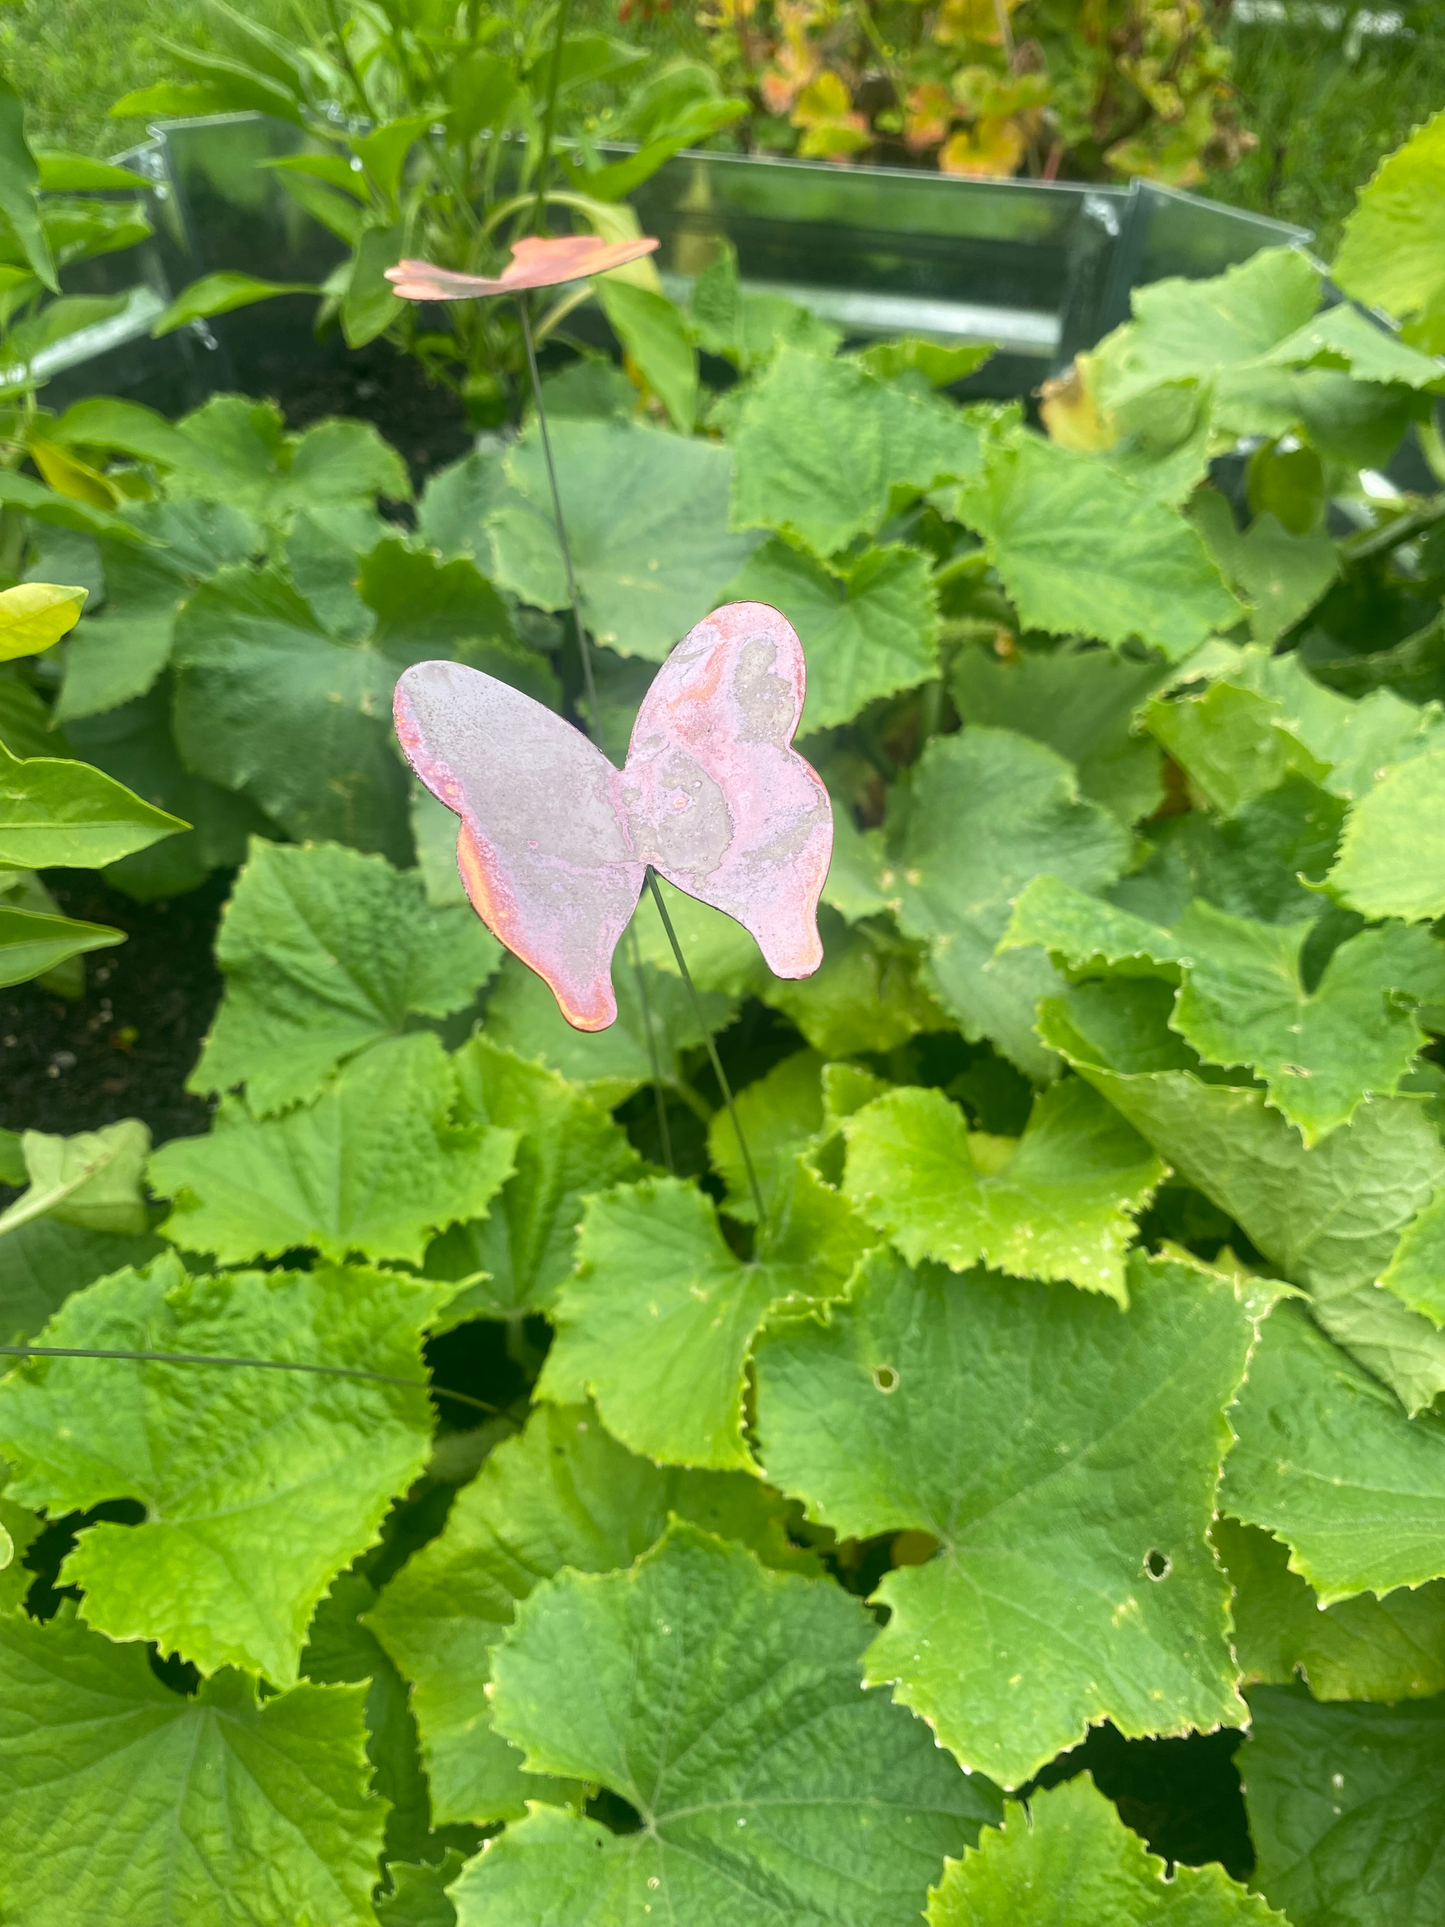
point(594, 711)
point(718, 1071)
point(258, 1364)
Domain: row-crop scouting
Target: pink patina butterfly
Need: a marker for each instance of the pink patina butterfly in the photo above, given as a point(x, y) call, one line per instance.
point(555, 840)
point(538, 261)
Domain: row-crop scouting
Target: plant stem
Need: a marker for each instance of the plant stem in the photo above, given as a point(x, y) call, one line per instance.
point(549, 118)
point(718, 1072)
point(258, 1364)
point(348, 65)
point(880, 47)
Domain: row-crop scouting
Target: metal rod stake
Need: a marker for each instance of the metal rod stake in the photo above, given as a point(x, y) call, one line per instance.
point(258, 1364)
point(718, 1071)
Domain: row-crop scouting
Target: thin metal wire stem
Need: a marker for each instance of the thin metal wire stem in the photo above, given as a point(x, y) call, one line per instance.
point(259, 1364)
point(583, 645)
point(664, 1130)
point(718, 1071)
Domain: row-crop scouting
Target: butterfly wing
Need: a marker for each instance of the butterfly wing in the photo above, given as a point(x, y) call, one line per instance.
point(717, 799)
point(543, 847)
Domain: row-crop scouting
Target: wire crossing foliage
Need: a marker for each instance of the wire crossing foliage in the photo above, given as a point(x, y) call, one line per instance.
point(1066, 1346)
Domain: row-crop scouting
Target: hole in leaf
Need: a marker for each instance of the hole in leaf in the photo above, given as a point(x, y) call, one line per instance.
point(47, 1551)
point(1157, 1564)
point(913, 1548)
point(885, 1378)
point(173, 1671)
point(614, 1812)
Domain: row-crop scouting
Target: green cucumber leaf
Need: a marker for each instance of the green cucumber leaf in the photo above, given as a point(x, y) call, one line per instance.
point(1088, 936)
point(1280, 575)
point(523, 1017)
point(1322, 1052)
point(44, 1261)
point(722, 1702)
point(258, 1486)
point(1392, 853)
point(1390, 253)
point(868, 628)
point(657, 1322)
point(1416, 1273)
point(1057, 1203)
point(341, 1651)
point(91, 1180)
point(1361, 1648)
point(987, 811)
point(1328, 1463)
point(563, 1494)
point(1082, 549)
point(135, 745)
point(146, 1806)
point(374, 1165)
point(797, 418)
point(780, 1115)
point(647, 524)
point(866, 995)
point(269, 703)
point(1327, 1216)
point(1082, 702)
point(1343, 1806)
point(567, 1147)
point(326, 952)
point(1064, 1455)
point(1186, 330)
point(1068, 1860)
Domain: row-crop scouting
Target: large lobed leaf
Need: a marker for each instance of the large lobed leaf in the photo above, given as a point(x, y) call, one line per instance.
point(1328, 1216)
point(1057, 1203)
point(1344, 1807)
point(563, 1494)
point(139, 1804)
point(374, 1165)
point(658, 1320)
point(567, 1148)
point(1080, 548)
point(1063, 1454)
point(1068, 1860)
point(722, 1702)
point(325, 952)
point(805, 410)
point(986, 812)
point(647, 525)
point(257, 1485)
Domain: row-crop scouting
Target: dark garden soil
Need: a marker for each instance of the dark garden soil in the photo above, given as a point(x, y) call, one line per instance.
point(125, 1048)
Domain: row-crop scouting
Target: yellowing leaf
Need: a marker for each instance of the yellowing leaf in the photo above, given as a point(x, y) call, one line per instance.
point(993, 146)
point(33, 615)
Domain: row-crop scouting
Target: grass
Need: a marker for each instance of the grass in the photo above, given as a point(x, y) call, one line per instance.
point(1322, 119)
point(71, 58)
